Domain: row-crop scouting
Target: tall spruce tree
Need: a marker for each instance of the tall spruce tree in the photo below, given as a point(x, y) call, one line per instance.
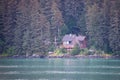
point(114, 31)
point(2, 40)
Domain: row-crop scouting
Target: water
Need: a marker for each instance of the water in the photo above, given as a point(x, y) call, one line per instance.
point(59, 69)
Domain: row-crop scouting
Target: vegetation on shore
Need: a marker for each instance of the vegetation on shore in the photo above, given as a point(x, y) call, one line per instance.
point(30, 27)
point(80, 53)
point(64, 53)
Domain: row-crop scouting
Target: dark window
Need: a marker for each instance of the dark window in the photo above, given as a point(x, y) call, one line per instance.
point(70, 42)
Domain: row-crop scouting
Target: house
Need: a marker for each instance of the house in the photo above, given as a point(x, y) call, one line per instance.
point(69, 41)
point(81, 40)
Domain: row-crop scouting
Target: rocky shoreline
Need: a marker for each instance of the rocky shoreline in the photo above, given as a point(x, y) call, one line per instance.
point(63, 56)
point(85, 56)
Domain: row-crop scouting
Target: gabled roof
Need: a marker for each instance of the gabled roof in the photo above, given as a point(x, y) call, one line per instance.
point(81, 38)
point(69, 37)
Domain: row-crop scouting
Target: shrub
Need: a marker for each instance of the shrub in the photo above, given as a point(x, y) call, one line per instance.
point(84, 51)
point(63, 50)
point(75, 50)
point(51, 48)
point(8, 52)
point(60, 51)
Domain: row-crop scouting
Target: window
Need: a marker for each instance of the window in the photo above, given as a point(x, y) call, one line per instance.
point(70, 42)
point(67, 42)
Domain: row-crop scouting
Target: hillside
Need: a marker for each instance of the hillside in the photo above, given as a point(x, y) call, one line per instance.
point(31, 26)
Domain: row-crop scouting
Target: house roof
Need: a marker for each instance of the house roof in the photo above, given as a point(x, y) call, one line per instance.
point(81, 38)
point(69, 37)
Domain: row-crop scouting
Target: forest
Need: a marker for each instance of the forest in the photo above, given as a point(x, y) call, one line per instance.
point(31, 26)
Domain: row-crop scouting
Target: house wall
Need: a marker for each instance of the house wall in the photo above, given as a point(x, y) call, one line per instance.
point(68, 46)
point(73, 43)
point(83, 44)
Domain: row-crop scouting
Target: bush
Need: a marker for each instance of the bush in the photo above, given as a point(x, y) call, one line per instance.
point(4, 55)
point(84, 51)
point(51, 48)
point(75, 50)
point(63, 50)
point(10, 51)
point(60, 51)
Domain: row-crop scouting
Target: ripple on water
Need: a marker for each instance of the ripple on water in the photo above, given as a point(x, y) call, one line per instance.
point(60, 69)
point(60, 72)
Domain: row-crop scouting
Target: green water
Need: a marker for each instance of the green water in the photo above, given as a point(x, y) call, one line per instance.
point(59, 69)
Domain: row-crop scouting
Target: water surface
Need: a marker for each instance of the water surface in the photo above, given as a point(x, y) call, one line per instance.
point(59, 69)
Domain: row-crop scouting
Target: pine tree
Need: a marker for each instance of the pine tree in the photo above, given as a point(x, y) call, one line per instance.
point(23, 28)
point(114, 31)
point(2, 40)
point(10, 25)
point(96, 25)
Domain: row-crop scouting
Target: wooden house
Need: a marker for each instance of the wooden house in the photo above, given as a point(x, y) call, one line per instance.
point(81, 41)
point(69, 41)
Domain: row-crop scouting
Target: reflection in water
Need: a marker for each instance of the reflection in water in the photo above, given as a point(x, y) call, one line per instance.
point(59, 69)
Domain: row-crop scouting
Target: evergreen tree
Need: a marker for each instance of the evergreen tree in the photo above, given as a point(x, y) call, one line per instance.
point(2, 40)
point(31, 26)
point(114, 31)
